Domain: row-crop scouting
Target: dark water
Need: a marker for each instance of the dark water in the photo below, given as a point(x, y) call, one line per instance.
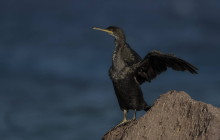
point(54, 68)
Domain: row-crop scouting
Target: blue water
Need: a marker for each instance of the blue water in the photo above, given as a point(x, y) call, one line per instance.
point(54, 68)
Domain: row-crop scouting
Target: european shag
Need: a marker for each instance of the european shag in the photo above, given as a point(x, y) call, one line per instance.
point(129, 71)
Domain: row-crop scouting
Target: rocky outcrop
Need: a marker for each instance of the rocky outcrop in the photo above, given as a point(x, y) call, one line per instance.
point(174, 116)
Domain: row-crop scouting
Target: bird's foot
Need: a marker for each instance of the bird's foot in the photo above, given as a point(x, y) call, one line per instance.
point(123, 122)
point(133, 119)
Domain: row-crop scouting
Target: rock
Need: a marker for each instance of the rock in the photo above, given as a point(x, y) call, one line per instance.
point(174, 116)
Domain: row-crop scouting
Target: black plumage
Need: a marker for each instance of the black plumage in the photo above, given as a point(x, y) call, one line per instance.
point(129, 71)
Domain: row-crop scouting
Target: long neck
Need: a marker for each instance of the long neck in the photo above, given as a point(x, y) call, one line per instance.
point(120, 42)
point(117, 59)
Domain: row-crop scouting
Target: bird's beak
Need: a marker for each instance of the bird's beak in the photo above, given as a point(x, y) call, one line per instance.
point(104, 30)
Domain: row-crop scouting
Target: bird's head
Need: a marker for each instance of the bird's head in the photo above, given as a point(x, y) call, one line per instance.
point(117, 32)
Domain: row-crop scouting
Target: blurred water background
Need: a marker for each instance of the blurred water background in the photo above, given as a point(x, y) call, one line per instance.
point(54, 82)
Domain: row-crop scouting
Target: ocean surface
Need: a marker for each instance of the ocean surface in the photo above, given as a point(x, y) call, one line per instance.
point(54, 82)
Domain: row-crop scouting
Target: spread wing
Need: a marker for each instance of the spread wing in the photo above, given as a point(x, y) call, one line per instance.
point(156, 62)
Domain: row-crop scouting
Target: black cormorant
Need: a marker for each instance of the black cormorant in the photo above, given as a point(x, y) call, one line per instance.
point(129, 71)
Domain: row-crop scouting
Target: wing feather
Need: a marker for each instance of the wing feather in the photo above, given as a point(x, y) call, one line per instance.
point(156, 62)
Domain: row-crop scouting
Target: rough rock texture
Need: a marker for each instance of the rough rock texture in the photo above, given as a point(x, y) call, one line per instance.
point(174, 116)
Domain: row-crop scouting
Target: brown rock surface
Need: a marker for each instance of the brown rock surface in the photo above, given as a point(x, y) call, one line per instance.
point(174, 116)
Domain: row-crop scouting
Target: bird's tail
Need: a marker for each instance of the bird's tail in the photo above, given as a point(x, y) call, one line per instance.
point(147, 108)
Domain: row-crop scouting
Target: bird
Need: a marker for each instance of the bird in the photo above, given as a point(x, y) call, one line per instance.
point(129, 71)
